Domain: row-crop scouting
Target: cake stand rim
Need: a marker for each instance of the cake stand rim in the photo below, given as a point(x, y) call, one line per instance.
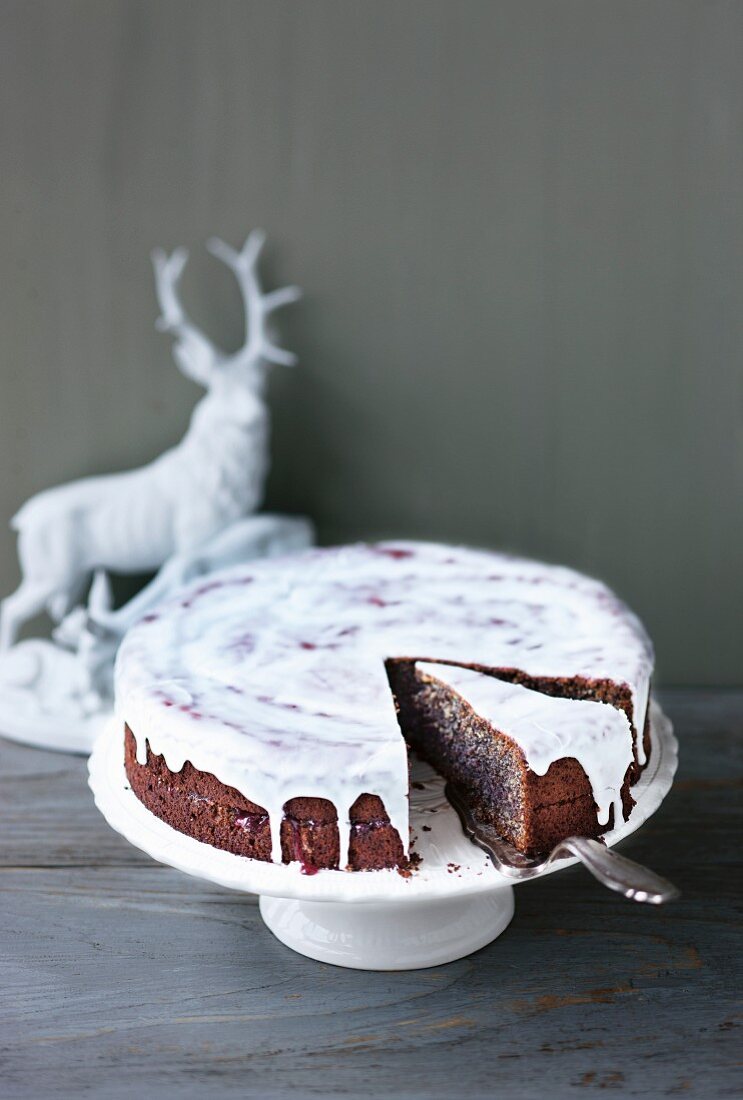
point(144, 830)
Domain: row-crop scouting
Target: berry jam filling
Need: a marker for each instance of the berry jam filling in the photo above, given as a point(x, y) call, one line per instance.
point(363, 828)
point(307, 868)
point(251, 822)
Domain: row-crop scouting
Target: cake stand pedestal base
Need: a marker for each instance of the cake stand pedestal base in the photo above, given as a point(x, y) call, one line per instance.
point(389, 936)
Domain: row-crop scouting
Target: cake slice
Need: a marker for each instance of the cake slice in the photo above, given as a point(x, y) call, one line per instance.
point(537, 767)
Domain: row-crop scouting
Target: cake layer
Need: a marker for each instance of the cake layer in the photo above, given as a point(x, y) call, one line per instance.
point(272, 677)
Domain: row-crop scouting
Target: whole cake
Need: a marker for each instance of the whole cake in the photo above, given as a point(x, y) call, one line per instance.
point(268, 710)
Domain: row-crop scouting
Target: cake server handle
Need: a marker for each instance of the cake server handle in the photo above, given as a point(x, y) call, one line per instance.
point(617, 872)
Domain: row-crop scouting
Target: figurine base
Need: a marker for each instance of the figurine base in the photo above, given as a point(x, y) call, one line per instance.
point(45, 701)
point(406, 936)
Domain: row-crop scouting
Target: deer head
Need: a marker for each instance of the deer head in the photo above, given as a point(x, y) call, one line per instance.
point(197, 357)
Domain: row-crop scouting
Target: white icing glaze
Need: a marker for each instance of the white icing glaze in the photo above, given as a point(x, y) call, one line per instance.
point(547, 729)
point(271, 675)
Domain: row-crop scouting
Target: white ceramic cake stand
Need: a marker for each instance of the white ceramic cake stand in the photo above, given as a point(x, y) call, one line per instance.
point(455, 903)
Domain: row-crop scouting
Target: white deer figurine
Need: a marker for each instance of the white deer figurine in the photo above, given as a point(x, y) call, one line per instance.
point(135, 521)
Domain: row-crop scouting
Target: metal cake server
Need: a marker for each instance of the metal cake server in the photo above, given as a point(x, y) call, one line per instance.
point(617, 872)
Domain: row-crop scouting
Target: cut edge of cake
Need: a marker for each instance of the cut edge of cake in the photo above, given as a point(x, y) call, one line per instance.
point(538, 767)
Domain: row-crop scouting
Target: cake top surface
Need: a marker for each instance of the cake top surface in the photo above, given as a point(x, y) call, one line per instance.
point(271, 675)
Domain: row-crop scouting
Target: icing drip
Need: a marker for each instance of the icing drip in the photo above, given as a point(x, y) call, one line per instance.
point(275, 817)
point(344, 836)
point(271, 675)
point(547, 729)
point(641, 695)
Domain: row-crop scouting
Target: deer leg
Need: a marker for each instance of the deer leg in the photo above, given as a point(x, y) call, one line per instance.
point(62, 601)
point(27, 600)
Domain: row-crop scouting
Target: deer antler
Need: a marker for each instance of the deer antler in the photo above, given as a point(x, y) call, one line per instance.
point(195, 354)
point(258, 343)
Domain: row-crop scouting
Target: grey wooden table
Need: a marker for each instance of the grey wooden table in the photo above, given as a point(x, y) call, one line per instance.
point(120, 976)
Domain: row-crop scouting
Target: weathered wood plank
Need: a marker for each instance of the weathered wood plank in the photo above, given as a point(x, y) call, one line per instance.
point(120, 975)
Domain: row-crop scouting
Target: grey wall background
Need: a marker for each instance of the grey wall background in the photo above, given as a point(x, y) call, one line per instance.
point(519, 227)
